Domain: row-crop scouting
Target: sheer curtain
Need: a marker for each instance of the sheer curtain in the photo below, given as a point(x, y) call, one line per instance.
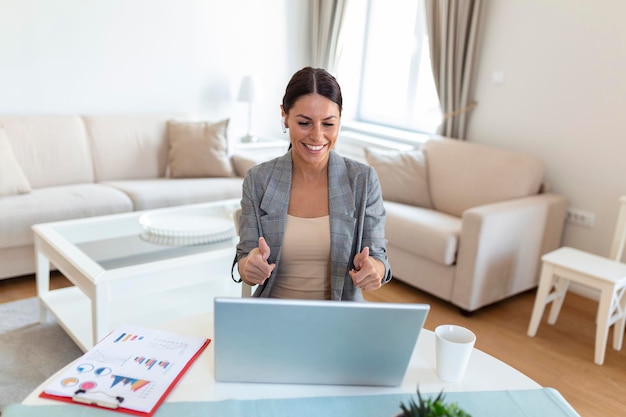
point(327, 17)
point(453, 31)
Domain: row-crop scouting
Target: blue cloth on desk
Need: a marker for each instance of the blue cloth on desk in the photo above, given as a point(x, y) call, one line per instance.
point(544, 402)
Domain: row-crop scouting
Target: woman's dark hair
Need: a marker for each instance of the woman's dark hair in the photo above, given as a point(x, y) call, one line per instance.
point(310, 81)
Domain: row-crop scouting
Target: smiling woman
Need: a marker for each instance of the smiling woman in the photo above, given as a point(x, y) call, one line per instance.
point(312, 222)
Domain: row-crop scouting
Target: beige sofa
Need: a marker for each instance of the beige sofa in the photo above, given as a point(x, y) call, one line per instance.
point(466, 222)
point(60, 167)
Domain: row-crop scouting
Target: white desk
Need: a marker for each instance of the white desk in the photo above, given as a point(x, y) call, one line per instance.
point(484, 373)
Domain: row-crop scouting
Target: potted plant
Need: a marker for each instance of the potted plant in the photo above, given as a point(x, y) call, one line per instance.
point(427, 407)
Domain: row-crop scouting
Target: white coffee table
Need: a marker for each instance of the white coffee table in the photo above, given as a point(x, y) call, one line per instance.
point(122, 273)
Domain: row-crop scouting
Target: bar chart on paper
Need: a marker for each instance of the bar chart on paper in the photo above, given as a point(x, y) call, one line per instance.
point(150, 363)
point(133, 368)
point(124, 337)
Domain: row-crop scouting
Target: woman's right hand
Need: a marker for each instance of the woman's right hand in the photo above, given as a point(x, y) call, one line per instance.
point(254, 268)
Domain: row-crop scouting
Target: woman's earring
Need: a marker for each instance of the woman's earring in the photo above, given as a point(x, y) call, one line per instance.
point(282, 124)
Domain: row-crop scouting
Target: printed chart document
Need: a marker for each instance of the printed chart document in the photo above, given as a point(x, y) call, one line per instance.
point(131, 370)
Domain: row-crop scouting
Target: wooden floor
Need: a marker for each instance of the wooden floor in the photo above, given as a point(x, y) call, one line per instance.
point(560, 356)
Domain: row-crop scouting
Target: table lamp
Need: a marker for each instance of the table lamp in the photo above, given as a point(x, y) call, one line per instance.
point(247, 94)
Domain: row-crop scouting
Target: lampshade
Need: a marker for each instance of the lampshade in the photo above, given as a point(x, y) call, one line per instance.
point(247, 90)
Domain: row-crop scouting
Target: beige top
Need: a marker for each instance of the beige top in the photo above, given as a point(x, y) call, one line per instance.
point(304, 271)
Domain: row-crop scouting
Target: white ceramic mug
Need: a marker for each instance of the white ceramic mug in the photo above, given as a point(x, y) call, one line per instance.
point(454, 345)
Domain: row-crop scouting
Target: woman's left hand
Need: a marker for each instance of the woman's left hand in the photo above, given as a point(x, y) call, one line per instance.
point(367, 274)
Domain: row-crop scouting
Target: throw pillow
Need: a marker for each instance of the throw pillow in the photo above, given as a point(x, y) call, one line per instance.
point(402, 174)
point(243, 163)
point(198, 149)
point(12, 178)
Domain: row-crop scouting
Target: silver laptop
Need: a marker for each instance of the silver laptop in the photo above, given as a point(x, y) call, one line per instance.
point(314, 342)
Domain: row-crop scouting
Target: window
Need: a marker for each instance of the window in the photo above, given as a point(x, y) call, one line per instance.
point(387, 60)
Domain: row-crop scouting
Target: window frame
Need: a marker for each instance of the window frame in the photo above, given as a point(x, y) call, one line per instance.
point(359, 124)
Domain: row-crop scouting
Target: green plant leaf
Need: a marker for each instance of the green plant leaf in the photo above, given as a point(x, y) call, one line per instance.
point(427, 407)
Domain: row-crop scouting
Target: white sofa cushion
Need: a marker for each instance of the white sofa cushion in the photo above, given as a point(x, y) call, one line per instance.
point(166, 192)
point(403, 175)
point(198, 149)
point(424, 232)
point(12, 178)
point(128, 146)
point(19, 213)
point(463, 175)
point(51, 150)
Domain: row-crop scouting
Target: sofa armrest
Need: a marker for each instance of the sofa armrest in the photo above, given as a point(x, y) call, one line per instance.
point(501, 245)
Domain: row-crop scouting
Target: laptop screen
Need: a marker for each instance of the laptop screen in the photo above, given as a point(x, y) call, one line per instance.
point(315, 342)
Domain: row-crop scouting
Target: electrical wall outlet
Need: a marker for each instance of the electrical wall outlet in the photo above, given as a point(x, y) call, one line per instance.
point(580, 217)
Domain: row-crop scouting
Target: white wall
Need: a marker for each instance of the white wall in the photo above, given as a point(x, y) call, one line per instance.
point(120, 56)
point(563, 99)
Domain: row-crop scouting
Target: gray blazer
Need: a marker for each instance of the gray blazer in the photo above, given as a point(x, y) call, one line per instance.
point(357, 217)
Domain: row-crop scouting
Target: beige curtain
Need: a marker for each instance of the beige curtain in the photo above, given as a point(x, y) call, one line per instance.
point(327, 17)
point(453, 31)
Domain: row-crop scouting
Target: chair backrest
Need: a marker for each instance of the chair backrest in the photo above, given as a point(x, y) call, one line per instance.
point(236, 219)
point(246, 290)
point(619, 238)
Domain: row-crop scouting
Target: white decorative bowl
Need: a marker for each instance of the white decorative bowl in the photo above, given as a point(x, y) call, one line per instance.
point(185, 224)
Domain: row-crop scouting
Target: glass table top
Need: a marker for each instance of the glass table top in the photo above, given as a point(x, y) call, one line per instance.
point(137, 249)
point(120, 240)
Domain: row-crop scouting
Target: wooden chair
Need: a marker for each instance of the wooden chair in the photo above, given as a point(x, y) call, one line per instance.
point(607, 275)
